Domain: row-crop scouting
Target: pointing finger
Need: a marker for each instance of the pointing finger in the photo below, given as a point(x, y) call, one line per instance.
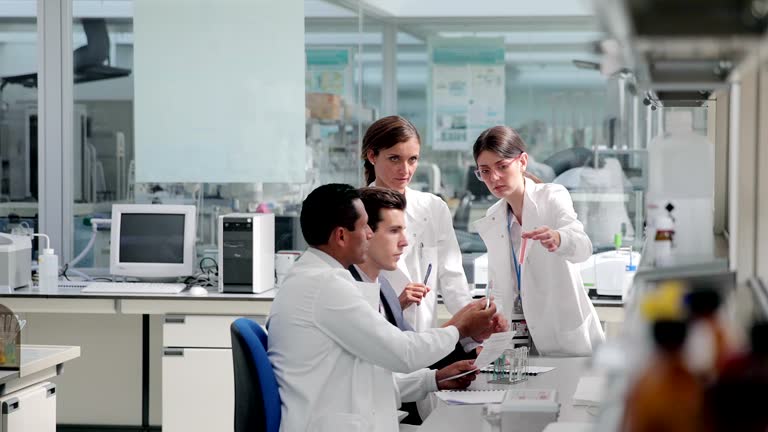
point(532, 233)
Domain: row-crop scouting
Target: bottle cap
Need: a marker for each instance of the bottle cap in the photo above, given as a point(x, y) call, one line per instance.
point(47, 251)
point(702, 302)
point(759, 337)
point(664, 303)
point(669, 335)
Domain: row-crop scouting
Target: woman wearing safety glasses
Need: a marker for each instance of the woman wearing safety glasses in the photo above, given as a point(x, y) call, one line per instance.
point(534, 242)
point(432, 260)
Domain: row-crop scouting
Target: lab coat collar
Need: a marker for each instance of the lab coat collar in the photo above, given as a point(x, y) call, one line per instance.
point(364, 275)
point(331, 261)
point(497, 213)
point(530, 207)
point(411, 202)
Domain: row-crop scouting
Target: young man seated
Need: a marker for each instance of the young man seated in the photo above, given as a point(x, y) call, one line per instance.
point(332, 353)
point(386, 218)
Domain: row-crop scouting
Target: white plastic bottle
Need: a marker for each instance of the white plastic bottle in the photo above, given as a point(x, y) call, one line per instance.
point(48, 270)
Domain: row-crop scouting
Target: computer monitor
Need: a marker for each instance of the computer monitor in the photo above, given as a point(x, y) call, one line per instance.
point(288, 234)
point(152, 240)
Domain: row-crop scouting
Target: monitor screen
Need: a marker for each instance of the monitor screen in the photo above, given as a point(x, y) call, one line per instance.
point(288, 234)
point(152, 238)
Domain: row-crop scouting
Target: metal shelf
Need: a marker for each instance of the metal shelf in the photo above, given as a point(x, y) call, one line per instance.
point(682, 64)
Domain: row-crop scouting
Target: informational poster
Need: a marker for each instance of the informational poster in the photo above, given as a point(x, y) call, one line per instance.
point(467, 91)
point(329, 71)
point(189, 130)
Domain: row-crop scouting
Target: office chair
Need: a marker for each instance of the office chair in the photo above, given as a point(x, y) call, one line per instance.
point(257, 401)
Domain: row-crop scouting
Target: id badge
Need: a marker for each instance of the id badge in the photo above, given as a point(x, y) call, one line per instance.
point(518, 306)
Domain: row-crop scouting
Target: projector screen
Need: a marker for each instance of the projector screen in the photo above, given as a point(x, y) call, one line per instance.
point(219, 91)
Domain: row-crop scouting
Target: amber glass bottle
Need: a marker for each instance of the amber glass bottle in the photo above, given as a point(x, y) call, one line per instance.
point(666, 397)
point(736, 401)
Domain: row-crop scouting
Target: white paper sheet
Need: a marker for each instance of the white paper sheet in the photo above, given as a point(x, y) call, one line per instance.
point(589, 391)
point(470, 397)
point(494, 347)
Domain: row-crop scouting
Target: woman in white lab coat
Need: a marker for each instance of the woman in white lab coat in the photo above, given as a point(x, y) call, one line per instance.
point(391, 154)
point(535, 274)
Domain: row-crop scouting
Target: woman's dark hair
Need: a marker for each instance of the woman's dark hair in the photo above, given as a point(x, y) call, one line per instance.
point(505, 142)
point(376, 199)
point(326, 208)
point(384, 133)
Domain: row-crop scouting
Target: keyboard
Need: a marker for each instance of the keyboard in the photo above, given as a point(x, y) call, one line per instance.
point(134, 288)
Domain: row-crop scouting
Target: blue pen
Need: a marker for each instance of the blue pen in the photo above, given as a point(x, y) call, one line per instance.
point(429, 270)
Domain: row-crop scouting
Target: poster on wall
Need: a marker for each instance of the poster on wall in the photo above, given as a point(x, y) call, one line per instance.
point(329, 71)
point(467, 91)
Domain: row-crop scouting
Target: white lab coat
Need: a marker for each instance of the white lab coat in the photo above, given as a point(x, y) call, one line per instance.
point(431, 239)
point(333, 354)
point(559, 314)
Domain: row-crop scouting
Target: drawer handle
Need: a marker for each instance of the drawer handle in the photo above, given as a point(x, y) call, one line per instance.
point(173, 352)
point(11, 405)
point(175, 319)
point(50, 390)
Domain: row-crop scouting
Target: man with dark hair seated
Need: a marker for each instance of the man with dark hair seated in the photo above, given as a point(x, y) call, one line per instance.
point(386, 218)
point(332, 352)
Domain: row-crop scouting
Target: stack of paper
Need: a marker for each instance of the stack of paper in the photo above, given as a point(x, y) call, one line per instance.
point(472, 397)
point(532, 370)
point(589, 391)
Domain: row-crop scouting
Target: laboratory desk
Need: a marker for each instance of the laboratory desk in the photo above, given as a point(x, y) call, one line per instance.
point(27, 398)
point(156, 341)
point(564, 378)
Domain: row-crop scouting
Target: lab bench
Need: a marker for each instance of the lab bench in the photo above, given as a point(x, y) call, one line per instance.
point(27, 397)
point(172, 350)
point(564, 379)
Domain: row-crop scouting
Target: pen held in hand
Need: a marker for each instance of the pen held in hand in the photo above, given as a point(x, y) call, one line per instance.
point(429, 271)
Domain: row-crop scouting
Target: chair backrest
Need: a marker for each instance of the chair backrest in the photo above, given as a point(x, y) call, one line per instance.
point(257, 400)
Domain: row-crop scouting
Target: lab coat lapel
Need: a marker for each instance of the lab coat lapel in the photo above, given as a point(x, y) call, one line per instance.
point(494, 221)
point(493, 230)
point(413, 229)
point(531, 218)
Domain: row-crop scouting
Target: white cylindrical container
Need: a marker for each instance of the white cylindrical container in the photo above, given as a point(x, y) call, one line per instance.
point(283, 262)
point(48, 271)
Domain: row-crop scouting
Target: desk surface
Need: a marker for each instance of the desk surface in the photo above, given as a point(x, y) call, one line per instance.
point(68, 298)
point(72, 290)
point(564, 379)
point(36, 358)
